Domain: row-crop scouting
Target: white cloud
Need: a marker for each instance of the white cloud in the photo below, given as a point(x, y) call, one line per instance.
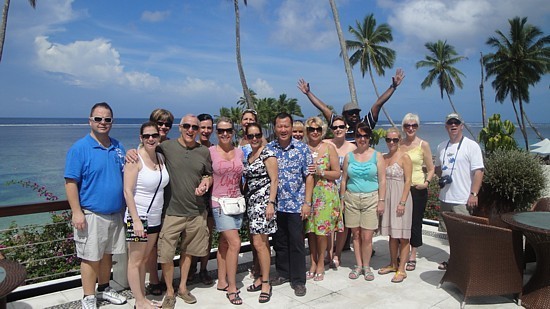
point(155, 16)
point(89, 64)
point(193, 86)
point(262, 88)
point(304, 24)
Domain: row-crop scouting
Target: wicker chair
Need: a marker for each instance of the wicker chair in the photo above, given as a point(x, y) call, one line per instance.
point(542, 204)
point(484, 260)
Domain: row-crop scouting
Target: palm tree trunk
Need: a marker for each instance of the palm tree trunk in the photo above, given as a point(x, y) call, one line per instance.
point(481, 94)
point(454, 109)
point(3, 27)
point(347, 65)
point(246, 91)
point(522, 124)
point(532, 126)
point(377, 95)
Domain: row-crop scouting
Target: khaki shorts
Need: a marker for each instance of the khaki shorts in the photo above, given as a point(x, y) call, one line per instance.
point(194, 237)
point(361, 210)
point(104, 234)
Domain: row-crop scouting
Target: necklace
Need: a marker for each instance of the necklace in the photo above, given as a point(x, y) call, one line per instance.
point(314, 151)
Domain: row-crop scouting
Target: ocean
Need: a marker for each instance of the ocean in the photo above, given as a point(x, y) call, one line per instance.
point(34, 150)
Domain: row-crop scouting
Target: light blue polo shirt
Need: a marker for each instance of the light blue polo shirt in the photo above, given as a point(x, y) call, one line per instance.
point(99, 174)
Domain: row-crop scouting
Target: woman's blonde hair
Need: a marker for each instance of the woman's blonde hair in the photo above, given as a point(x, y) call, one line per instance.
point(410, 117)
point(316, 120)
point(393, 130)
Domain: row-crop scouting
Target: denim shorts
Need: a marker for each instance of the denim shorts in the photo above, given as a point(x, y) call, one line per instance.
point(226, 222)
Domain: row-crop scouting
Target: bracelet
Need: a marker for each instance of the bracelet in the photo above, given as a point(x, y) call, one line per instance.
point(402, 203)
point(428, 181)
point(381, 200)
point(393, 86)
point(272, 202)
point(308, 203)
point(206, 176)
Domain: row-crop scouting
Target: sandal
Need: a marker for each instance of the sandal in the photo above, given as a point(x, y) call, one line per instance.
point(443, 266)
point(334, 264)
point(399, 277)
point(310, 275)
point(265, 297)
point(369, 275)
point(319, 276)
point(386, 270)
point(356, 272)
point(237, 300)
point(411, 265)
point(223, 289)
point(253, 287)
point(154, 289)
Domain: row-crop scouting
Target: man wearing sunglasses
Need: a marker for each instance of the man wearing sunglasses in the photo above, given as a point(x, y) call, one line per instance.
point(351, 112)
point(94, 187)
point(459, 166)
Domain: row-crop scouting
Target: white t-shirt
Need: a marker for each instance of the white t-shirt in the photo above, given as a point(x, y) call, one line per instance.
point(468, 160)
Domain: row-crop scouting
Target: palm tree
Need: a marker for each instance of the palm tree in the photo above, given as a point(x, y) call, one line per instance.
point(369, 52)
point(519, 62)
point(441, 59)
point(246, 90)
point(242, 100)
point(347, 65)
point(5, 23)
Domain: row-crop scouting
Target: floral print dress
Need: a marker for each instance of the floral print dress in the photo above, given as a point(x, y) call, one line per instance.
point(326, 214)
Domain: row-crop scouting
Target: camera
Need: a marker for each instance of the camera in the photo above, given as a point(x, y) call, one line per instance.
point(444, 180)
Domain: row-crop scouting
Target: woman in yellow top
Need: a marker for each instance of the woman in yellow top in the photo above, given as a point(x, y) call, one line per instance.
point(421, 156)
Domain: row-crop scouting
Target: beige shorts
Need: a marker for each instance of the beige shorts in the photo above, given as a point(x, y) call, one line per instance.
point(361, 210)
point(194, 237)
point(104, 234)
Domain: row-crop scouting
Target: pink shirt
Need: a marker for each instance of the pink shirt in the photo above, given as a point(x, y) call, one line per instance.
point(227, 175)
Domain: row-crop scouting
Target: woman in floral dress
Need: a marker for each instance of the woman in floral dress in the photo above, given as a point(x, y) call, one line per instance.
point(325, 217)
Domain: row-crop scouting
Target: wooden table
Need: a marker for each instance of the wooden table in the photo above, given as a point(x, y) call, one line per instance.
point(536, 228)
point(12, 275)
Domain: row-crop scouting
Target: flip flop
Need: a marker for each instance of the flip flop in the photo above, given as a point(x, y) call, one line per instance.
point(443, 266)
point(411, 265)
point(386, 270)
point(224, 289)
point(399, 277)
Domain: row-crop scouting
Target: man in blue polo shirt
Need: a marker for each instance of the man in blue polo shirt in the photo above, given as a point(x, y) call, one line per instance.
point(93, 182)
point(293, 204)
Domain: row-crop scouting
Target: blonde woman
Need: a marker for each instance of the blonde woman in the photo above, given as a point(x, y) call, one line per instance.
point(421, 156)
point(298, 130)
point(325, 217)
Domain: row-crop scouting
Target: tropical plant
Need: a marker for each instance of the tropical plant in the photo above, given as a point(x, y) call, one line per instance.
point(369, 52)
point(513, 180)
point(433, 205)
point(344, 53)
point(521, 58)
point(498, 135)
point(246, 90)
point(5, 23)
point(441, 61)
point(481, 93)
point(233, 113)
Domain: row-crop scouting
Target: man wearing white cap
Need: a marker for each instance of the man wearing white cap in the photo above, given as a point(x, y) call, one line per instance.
point(459, 165)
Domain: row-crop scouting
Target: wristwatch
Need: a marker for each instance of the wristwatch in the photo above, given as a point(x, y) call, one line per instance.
point(474, 194)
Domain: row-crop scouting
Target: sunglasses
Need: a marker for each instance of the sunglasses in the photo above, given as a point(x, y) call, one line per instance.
point(360, 136)
point(100, 119)
point(148, 136)
point(186, 126)
point(228, 131)
point(249, 110)
point(408, 125)
point(166, 124)
point(353, 112)
point(312, 129)
point(455, 122)
point(297, 131)
point(394, 140)
point(341, 127)
point(252, 136)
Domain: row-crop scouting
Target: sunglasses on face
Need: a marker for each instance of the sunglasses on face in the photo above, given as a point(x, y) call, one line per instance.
point(409, 125)
point(394, 140)
point(360, 136)
point(166, 124)
point(148, 136)
point(353, 112)
point(252, 136)
point(186, 126)
point(97, 119)
point(297, 131)
point(312, 129)
point(455, 122)
point(250, 111)
point(228, 131)
point(341, 127)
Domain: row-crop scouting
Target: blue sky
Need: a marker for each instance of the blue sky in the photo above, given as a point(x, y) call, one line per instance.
point(139, 55)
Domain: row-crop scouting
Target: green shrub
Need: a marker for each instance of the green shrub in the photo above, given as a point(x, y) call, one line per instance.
point(513, 180)
point(433, 206)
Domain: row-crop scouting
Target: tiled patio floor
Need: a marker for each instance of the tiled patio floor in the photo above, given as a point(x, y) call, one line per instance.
point(419, 290)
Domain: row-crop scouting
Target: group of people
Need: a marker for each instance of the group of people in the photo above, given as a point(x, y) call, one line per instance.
point(298, 185)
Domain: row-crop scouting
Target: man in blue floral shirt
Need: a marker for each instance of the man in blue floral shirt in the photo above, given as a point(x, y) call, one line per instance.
point(294, 205)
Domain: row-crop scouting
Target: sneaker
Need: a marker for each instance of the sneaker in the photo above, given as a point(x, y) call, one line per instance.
point(187, 297)
point(299, 290)
point(112, 296)
point(89, 302)
point(205, 278)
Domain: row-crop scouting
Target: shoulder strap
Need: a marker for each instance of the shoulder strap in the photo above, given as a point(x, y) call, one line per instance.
point(157, 190)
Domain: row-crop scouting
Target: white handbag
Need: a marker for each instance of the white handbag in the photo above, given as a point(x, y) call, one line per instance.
point(231, 205)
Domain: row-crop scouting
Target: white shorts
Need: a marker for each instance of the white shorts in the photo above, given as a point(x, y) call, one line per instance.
point(104, 234)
